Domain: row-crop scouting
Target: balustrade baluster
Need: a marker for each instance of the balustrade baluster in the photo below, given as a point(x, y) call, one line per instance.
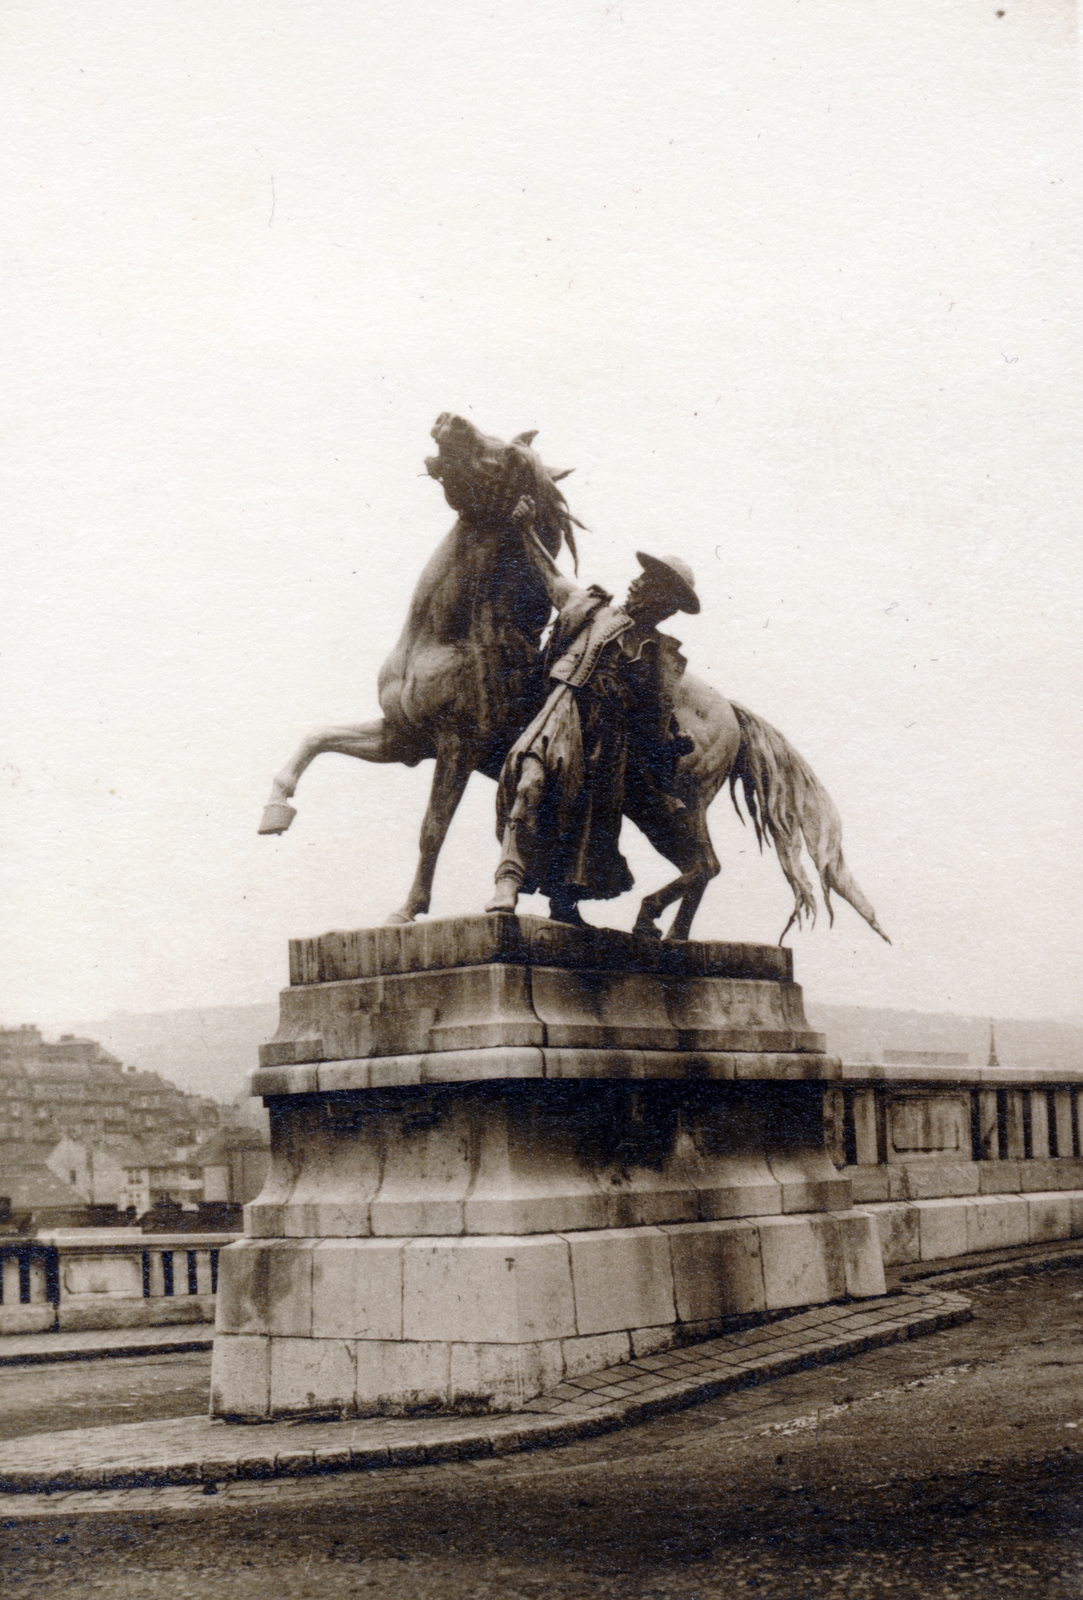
point(156, 1276)
point(834, 1125)
point(988, 1125)
point(203, 1272)
point(37, 1286)
point(865, 1140)
point(1016, 1138)
point(10, 1271)
point(1062, 1122)
point(1039, 1124)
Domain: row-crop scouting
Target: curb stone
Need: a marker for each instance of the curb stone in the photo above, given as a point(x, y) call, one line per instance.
point(139, 1455)
point(47, 1348)
point(920, 1278)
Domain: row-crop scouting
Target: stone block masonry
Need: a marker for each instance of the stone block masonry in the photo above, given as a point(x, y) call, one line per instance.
point(940, 1230)
point(506, 1152)
point(486, 1322)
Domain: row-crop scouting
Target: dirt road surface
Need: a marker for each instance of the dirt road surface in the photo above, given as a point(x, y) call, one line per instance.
point(950, 1466)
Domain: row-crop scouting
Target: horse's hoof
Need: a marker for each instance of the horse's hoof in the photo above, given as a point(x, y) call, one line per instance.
point(646, 930)
point(397, 919)
point(277, 817)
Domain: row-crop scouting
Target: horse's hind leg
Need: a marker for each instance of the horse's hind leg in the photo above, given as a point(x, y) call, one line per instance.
point(684, 840)
point(681, 926)
point(653, 905)
point(368, 741)
point(455, 761)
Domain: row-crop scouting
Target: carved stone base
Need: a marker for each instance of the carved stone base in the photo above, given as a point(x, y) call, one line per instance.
point(356, 1327)
point(490, 1175)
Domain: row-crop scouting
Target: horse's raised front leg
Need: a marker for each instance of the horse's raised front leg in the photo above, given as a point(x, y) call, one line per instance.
point(455, 761)
point(368, 741)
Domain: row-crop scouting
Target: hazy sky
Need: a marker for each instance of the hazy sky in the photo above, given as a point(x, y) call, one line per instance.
point(793, 284)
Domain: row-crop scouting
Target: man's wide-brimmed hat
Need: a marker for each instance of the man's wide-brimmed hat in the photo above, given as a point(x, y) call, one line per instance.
point(676, 575)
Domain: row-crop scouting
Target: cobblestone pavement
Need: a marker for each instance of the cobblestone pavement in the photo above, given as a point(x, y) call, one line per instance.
point(195, 1449)
point(947, 1466)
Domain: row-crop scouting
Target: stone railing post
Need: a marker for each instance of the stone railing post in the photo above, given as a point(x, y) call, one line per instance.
point(1062, 1122)
point(154, 1277)
point(203, 1272)
point(866, 1143)
point(1014, 1125)
point(835, 1125)
point(39, 1287)
point(988, 1125)
point(11, 1286)
point(1039, 1125)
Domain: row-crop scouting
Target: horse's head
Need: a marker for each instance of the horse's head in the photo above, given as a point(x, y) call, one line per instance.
point(483, 479)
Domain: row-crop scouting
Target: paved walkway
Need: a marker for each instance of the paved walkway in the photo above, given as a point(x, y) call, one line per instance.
point(42, 1349)
point(201, 1450)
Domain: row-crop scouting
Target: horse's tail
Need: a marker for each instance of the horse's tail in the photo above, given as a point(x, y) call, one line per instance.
point(789, 805)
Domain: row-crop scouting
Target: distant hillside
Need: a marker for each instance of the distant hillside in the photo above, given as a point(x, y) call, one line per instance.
point(212, 1051)
point(863, 1033)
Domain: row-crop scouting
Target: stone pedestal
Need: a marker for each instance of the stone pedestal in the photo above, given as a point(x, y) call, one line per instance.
point(507, 1151)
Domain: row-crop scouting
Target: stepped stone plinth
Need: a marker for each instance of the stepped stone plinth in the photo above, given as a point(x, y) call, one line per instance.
point(506, 1151)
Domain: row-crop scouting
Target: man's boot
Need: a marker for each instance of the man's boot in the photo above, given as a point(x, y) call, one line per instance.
point(509, 875)
point(505, 895)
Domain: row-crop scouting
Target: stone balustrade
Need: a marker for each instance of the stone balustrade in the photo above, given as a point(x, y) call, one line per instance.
point(957, 1159)
point(27, 1286)
point(86, 1278)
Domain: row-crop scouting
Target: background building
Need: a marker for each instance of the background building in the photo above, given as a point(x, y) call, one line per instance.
point(79, 1130)
point(74, 1089)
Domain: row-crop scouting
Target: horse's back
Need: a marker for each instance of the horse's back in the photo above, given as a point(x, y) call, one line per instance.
point(707, 718)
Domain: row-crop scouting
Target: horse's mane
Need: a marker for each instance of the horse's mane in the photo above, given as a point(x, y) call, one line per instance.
point(507, 472)
point(554, 520)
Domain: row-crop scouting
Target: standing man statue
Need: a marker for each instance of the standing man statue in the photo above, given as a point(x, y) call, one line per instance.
point(608, 722)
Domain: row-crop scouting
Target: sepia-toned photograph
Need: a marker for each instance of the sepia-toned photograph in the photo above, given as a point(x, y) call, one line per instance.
point(541, 1010)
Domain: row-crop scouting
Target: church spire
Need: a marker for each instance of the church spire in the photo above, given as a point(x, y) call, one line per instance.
point(992, 1062)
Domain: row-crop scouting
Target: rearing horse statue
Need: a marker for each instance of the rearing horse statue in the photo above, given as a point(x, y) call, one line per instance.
point(464, 677)
point(464, 680)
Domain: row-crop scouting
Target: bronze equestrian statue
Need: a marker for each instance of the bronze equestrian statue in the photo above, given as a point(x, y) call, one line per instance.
point(467, 678)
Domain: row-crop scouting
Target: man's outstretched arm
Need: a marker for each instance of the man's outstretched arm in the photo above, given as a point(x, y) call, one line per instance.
point(559, 588)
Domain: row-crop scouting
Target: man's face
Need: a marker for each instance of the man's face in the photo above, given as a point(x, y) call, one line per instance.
point(649, 599)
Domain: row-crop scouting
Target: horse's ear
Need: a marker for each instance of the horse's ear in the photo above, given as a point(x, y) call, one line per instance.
point(556, 473)
point(526, 438)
